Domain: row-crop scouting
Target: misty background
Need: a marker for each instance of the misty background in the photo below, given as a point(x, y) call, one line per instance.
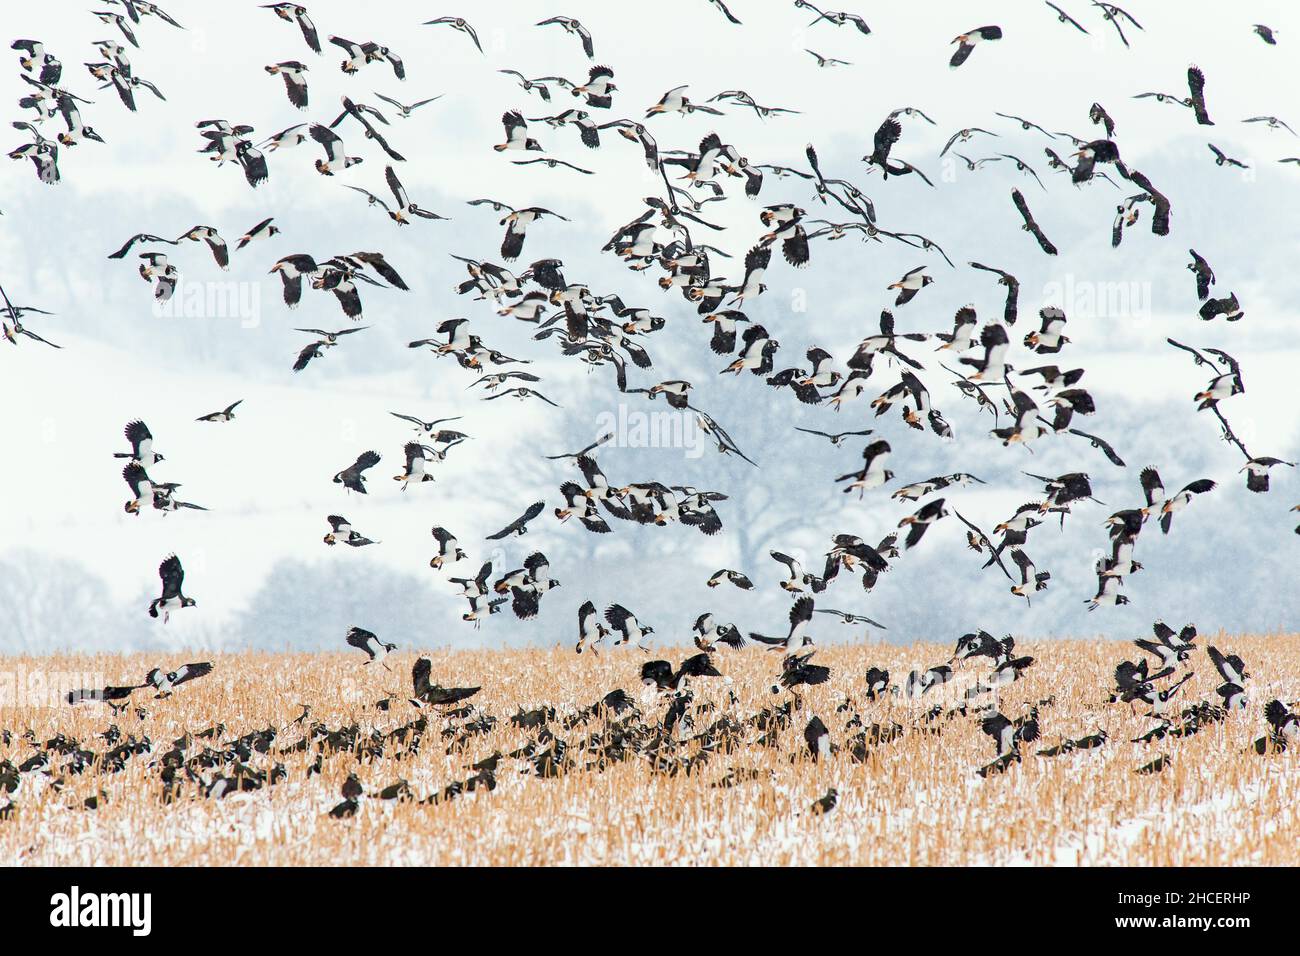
point(78, 573)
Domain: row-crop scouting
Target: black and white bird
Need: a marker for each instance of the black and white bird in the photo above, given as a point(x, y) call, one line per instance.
point(1049, 338)
point(520, 525)
point(164, 682)
point(911, 283)
point(598, 89)
point(336, 157)
point(676, 101)
point(797, 637)
point(591, 633)
point(1108, 593)
point(296, 13)
point(826, 62)
point(850, 618)
point(449, 550)
point(797, 671)
point(796, 579)
point(162, 273)
point(1223, 159)
point(1012, 284)
point(353, 477)
point(1229, 307)
point(1008, 734)
point(414, 472)
point(1257, 469)
point(873, 474)
point(225, 415)
point(142, 489)
point(837, 18)
point(1204, 274)
point(37, 60)
point(1154, 489)
point(1169, 648)
point(517, 222)
point(574, 28)
point(625, 624)
point(1196, 86)
point(432, 693)
point(295, 84)
point(517, 137)
point(992, 366)
point(967, 41)
point(1284, 723)
point(404, 110)
point(364, 640)
point(402, 207)
point(341, 530)
point(173, 577)
point(1031, 579)
point(917, 523)
point(459, 24)
point(142, 451)
point(1063, 17)
point(216, 245)
point(1030, 224)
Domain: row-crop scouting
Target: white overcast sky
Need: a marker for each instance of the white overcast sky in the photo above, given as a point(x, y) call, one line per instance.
point(266, 475)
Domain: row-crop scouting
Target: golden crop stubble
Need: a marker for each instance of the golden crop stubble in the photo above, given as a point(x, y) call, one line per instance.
point(915, 800)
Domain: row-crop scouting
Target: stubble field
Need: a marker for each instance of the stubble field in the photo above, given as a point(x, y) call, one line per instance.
point(728, 785)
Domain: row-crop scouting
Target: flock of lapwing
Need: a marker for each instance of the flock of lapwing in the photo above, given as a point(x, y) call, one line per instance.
point(670, 235)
